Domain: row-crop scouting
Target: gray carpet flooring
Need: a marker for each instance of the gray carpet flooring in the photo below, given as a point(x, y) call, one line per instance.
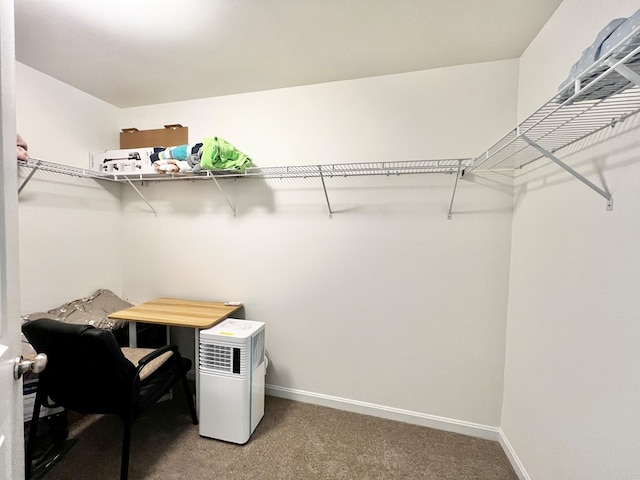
point(294, 440)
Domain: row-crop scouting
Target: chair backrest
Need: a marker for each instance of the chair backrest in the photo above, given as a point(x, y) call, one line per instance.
point(86, 370)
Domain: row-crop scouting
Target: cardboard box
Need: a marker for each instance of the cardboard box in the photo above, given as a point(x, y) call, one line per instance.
point(168, 136)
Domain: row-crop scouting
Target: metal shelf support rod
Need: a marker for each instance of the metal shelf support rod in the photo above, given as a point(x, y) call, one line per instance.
point(455, 186)
point(570, 170)
point(34, 169)
point(625, 71)
point(141, 196)
point(324, 187)
point(231, 206)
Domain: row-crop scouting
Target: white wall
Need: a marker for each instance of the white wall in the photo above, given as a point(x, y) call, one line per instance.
point(572, 388)
point(69, 227)
point(377, 288)
point(419, 299)
point(387, 303)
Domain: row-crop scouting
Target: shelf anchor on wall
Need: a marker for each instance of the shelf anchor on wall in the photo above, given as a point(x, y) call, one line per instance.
point(566, 167)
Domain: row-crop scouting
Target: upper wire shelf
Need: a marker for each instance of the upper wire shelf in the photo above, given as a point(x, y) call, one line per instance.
point(603, 95)
point(358, 169)
point(36, 164)
point(410, 167)
point(606, 93)
point(298, 171)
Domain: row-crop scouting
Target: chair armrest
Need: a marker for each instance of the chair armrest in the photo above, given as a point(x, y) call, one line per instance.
point(144, 362)
point(156, 353)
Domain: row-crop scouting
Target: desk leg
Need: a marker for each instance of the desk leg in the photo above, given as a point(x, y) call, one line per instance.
point(133, 334)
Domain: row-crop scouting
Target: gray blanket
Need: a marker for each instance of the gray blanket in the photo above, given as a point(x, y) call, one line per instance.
point(91, 310)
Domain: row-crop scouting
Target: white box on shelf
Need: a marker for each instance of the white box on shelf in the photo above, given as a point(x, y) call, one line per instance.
point(130, 160)
point(96, 160)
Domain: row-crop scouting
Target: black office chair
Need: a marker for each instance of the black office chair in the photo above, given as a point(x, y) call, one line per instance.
point(88, 372)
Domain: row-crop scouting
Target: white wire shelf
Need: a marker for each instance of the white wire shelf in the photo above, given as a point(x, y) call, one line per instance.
point(603, 95)
point(411, 167)
point(36, 164)
point(359, 169)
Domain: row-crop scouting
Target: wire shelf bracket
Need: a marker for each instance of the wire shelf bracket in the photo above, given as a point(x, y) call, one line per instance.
point(141, 196)
point(324, 187)
point(34, 169)
point(608, 197)
point(229, 202)
point(625, 71)
point(459, 173)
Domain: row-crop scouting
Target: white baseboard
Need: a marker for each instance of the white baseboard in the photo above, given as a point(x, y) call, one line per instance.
point(416, 418)
point(391, 413)
point(513, 457)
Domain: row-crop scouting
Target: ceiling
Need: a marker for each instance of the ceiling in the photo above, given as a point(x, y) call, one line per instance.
point(142, 52)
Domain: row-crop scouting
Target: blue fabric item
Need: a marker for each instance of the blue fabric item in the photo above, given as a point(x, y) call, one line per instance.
point(592, 52)
point(589, 66)
point(620, 33)
point(177, 153)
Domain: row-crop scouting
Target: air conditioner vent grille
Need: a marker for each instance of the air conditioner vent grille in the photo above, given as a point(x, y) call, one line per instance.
point(258, 349)
point(216, 357)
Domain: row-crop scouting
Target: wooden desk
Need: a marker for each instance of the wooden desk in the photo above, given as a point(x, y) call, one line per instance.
point(176, 312)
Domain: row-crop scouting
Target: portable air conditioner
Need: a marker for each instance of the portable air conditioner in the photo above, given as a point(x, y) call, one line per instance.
point(231, 379)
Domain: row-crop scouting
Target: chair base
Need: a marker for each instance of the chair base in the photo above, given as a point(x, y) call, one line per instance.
point(40, 469)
